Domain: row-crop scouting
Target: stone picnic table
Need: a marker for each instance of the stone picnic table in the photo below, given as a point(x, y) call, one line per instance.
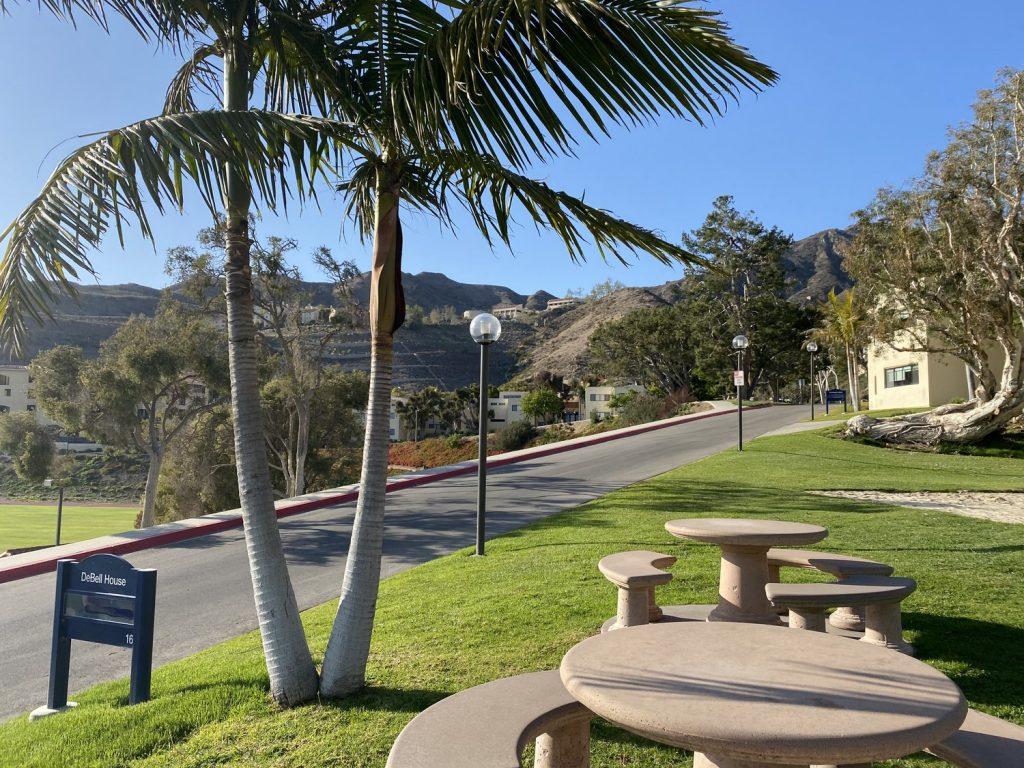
point(748, 696)
point(744, 570)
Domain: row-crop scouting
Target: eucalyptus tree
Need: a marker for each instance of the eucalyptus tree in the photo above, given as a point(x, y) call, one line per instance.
point(232, 155)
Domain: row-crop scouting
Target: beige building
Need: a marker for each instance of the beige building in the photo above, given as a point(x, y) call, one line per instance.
point(560, 303)
point(596, 400)
point(916, 379)
point(509, 311)
point(14, 392)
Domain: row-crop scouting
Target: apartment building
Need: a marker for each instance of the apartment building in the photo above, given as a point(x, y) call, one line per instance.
point(597, 399)
point(505, 409)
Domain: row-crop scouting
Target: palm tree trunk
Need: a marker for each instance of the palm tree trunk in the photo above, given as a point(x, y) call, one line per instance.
point(348, 648)
point(289, 664)
point(149, 495)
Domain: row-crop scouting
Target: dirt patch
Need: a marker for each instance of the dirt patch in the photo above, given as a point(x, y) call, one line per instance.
point(1000, 507)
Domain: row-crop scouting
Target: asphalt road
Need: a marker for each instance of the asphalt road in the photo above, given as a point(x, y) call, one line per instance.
point(204, 594)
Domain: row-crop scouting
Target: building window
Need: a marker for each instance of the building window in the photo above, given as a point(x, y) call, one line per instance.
point(4, 380)
point(7, 392)
point(593, 398)
point(903, 376)
point(515, 407)
point(30, 407)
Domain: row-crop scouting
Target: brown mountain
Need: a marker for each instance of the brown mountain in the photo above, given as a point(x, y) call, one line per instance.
point(439, 354)
point(815, 264)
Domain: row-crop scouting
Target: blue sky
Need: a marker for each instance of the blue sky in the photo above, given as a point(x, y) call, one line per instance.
point(867, 89)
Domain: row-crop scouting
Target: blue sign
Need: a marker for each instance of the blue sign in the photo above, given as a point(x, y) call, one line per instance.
point(102, 599)
point(835, 396)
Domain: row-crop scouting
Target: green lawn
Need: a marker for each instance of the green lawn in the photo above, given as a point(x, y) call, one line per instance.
point(29, 525)
point(836, 412)
point(459, 621)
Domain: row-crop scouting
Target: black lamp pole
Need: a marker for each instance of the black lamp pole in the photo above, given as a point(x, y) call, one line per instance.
point(811, 388)
point(481, 474)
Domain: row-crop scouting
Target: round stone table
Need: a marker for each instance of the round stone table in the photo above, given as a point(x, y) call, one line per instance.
point(744, 572)
point(747, 696)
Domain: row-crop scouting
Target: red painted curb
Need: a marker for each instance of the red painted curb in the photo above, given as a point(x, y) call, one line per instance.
point(17, 572)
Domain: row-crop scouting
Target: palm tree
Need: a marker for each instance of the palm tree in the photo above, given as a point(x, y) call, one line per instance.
point(429, 110)
point(230, 155)
point(842, 327)
point(453, 101)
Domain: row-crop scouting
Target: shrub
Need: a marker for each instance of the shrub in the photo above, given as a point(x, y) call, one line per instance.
point(555, 434)
point(640, 409)
point(515, 436)
point(453, 441)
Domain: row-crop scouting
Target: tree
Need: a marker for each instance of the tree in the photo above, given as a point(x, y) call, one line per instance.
point(651, 345)
point(446, 125)
point(422, 118)
point(29, 444)
point(231, 155)
point(941, 264)
point(842, 328)
point(151, 380)
point(543, 403)
point(291, 348)
point(741, 288)
point(419, 408)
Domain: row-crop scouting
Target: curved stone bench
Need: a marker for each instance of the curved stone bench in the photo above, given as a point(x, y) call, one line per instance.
point(636, 573)
point(840, 566)
point(879, 595)
point(490, 725)
point(983, 741)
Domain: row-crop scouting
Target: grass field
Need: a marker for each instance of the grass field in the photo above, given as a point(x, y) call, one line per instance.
point(29, 525)
point(460, 620)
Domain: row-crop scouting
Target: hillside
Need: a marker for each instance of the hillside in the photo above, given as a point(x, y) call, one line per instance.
point(559, 344)
point(443, 355)
point(815, 264)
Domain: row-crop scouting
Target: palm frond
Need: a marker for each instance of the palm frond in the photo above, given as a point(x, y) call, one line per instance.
point(522, 76)
point(491, 193)
point(162, 21)
point(199, 73)
point(109, 182)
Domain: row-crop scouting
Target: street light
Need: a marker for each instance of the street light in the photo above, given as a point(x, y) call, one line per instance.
point(48, 483)
point(485, 330)
point(812, 347)
point(740, 344)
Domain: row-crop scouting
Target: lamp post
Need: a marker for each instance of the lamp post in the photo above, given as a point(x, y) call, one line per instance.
point(740, 344)
point(812, 347)
point(485, 330)
point(48, 483)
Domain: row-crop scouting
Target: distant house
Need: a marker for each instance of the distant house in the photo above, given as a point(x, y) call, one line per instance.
point(314, 314)
point(596, 400)
point(505, 409)
point(560, 303)
point(508, 311)
point(469, 314)
point(918, 378)
point(16, 397)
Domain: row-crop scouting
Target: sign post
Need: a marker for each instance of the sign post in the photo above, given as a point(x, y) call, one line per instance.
point(101, 599)
point(835, 396)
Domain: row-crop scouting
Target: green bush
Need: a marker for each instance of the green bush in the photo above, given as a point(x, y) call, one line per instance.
point(639, 409)
point(453, 441)
point(515, 436)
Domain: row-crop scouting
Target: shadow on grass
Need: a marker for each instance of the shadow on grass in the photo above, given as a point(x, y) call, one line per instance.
point(989, 655)
point(384, 699)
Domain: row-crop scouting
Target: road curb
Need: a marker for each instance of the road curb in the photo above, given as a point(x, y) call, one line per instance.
point(43, 561)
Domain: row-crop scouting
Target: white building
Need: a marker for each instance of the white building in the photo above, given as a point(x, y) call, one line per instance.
point(568, 301)
point(14, 392)
point(505, 409)
point(398, 431)
point(596, 399)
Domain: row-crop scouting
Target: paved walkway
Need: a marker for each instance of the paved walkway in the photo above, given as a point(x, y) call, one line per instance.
point(204, 594)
